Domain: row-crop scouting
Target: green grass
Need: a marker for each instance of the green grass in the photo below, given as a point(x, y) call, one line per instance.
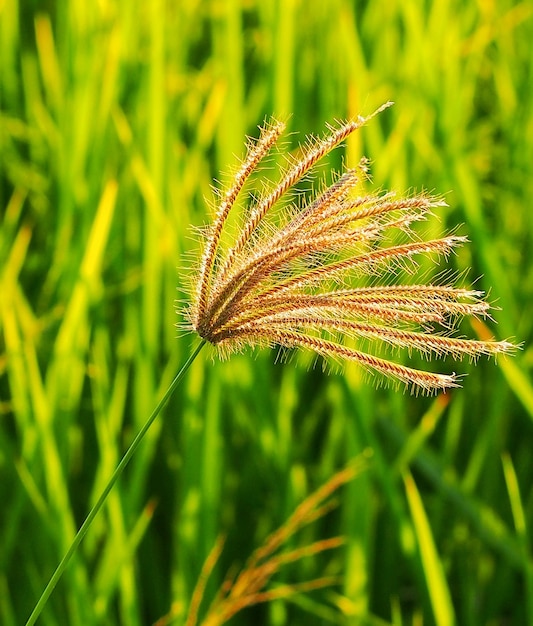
point(113, 125)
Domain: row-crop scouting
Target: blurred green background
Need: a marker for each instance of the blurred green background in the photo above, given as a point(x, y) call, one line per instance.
point(115, 120)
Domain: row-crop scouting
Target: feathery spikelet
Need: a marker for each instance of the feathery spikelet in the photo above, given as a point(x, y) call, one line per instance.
point(326, 277)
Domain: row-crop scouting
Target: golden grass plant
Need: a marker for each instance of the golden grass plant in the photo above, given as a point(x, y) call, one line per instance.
point(248, 586)
point(289, 282)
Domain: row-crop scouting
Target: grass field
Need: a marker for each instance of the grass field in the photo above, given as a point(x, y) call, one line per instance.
point(114, 124)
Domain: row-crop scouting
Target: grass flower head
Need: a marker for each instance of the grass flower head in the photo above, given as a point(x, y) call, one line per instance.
point(336, 274)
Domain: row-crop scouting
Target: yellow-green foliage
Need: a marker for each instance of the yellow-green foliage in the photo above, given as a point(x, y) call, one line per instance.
point(115, 119)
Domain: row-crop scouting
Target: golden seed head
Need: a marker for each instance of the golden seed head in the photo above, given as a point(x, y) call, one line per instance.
point(329, 276)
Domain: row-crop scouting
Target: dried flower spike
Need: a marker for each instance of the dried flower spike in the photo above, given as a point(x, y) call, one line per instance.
point(331, 274)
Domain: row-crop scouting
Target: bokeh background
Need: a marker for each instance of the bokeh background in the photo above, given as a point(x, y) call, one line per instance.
point(116, 118)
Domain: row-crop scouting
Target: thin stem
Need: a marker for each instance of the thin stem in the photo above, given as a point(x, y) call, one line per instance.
point(101, 500)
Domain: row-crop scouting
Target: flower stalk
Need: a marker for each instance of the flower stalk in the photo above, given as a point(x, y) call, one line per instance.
point(103, 496)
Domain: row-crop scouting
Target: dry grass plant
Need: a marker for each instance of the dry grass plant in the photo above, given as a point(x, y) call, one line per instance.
point(248, 587)
point(329, 274)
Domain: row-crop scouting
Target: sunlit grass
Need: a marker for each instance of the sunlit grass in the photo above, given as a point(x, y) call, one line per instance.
point(113, 124)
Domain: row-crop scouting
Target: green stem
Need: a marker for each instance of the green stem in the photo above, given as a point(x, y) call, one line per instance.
point(116, 474)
